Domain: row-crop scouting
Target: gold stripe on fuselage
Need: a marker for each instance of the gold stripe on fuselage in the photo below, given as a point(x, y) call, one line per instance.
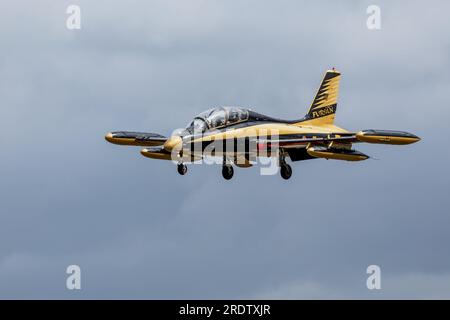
point(270, 129)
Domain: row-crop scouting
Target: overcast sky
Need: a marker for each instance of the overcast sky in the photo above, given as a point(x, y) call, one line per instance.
point(138, 229)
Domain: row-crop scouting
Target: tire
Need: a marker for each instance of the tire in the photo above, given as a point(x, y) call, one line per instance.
point(227, 172)
point(182, 169)
point(286, 171)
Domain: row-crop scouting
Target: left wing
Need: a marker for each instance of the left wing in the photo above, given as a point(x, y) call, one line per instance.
point(319, 145)
point(297, 141)
point(368, 136)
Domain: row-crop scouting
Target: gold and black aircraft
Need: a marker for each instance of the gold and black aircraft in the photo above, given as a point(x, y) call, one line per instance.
point(238, 136)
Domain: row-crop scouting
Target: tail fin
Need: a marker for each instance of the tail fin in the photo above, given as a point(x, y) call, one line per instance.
point(323, 107)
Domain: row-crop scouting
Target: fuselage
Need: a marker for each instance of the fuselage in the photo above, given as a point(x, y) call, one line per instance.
point(225, 138)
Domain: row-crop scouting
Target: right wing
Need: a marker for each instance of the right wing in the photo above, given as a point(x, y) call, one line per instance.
point(128, 138)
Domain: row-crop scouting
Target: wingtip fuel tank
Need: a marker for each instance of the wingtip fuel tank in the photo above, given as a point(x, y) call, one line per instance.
point(386, 137)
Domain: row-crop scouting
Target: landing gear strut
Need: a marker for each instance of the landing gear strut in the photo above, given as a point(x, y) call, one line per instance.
point(285, 169)
point(227, 170)
point(182, 169)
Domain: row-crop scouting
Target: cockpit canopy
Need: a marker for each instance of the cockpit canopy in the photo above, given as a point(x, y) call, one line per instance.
point(217, 118)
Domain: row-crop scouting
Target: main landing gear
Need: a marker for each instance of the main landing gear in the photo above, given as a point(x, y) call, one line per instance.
point(285, 169)
point(182, 169)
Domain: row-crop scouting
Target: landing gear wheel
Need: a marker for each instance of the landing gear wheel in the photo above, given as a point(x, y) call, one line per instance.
point(182, 169)
point(227, 172)
point(286, 171)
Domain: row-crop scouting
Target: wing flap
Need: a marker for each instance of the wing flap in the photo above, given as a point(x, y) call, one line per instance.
point(303, 141)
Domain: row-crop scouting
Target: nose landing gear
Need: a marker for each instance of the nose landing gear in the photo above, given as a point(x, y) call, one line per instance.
point(182, 169)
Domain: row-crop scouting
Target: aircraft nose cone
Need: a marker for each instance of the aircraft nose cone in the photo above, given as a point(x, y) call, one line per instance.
point(109, 137)
point(413, 138)
point(172, 142)
point(145, 151)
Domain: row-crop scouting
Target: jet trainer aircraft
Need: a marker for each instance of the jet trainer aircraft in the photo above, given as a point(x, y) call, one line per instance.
point(252, 135)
